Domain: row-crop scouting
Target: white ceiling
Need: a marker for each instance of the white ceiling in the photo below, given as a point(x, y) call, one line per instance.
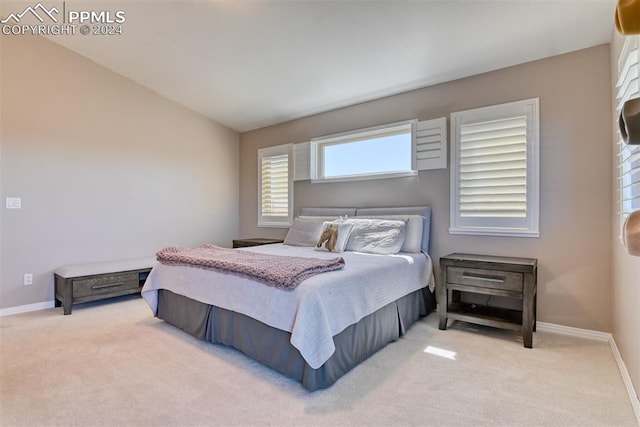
point(250, 64)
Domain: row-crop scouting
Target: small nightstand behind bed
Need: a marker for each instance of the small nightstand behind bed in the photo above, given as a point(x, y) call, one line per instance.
point(255, 241)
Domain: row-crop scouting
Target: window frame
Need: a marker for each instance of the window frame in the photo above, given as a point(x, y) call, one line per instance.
point(276, 221)
point(529, 226)
point(317, 159)
point(628, 69)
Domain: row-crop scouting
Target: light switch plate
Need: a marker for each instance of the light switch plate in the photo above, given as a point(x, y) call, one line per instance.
point(14, 203)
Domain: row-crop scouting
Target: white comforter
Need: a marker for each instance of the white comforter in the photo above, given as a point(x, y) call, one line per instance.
point(321, 307)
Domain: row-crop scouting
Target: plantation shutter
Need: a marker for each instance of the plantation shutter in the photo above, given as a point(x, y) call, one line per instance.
point(431, 144)
point(628, 87)
point(275, 185)
point(301, 160)
point(493, 169)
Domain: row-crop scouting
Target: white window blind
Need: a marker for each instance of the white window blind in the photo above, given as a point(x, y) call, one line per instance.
point(495, 170)
point(628, 87)
point(275, 186)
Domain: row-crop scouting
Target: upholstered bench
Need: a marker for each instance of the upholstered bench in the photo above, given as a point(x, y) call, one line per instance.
point(90, 282)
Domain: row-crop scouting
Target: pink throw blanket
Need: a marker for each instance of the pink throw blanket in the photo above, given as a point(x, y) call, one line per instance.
point(283, 272)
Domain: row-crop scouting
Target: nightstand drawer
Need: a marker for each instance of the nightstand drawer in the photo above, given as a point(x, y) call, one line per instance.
point(480, 278)
point(105, 284)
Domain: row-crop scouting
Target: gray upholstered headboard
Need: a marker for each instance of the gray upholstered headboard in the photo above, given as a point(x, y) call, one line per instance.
point(328, 211)
point(424, 211)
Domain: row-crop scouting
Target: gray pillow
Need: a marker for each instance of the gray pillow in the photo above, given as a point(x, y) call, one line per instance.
point(304, 232)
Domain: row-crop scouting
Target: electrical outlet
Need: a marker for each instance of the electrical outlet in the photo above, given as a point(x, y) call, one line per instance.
point(28, 279)
point(14, 203)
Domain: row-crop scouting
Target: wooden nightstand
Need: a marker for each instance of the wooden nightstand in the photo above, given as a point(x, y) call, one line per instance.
point(489, 275)
point(256, 241)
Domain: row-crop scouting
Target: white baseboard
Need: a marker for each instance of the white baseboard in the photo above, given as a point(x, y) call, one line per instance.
point(605, 337)
point(574, 332)
point(635, 402)
point(26, 308)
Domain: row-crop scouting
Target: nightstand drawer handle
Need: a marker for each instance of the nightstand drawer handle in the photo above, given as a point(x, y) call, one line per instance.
point(109, 285)
point(485, 278)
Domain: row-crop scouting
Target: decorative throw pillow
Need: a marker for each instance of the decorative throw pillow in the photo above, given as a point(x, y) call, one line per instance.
point(334, 236)
point(376, 236)
point(304, 232)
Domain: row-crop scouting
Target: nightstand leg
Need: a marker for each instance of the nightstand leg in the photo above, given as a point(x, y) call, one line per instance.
point(528, 310)
point(527, 337)
point(443, 322)
point(442, 299)
point(535, 310)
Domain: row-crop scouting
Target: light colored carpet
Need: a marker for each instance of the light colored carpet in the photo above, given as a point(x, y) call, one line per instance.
point(112, 363)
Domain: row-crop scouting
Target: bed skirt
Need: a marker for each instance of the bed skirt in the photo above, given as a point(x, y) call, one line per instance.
point(272, 347)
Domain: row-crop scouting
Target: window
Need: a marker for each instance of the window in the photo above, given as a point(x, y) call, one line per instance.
point(275, 186)
point(495, 170)
point(379, 152)
point(628, 87)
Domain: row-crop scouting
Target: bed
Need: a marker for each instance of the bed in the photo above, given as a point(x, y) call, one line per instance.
point(327, 325)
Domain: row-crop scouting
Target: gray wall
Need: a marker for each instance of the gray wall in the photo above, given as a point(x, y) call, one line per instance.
point(106, 169)
point(574, 250)
point(626, 269)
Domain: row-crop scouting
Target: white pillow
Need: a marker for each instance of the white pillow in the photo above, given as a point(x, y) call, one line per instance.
point(413, 233)
point(304, 232)
point(334, 236)
point(376, 236)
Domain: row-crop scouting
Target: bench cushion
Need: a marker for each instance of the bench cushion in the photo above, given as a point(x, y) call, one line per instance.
point(96, 268)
